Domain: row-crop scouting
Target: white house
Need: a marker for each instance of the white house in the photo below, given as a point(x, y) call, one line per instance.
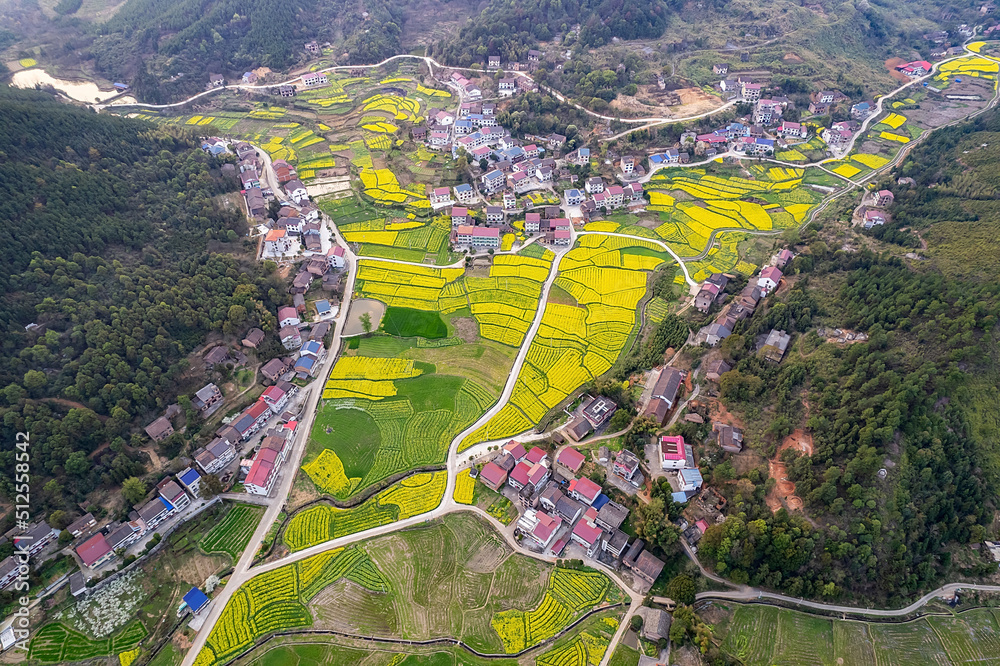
point(288, 316)
point(296, 190)
point(336, 257)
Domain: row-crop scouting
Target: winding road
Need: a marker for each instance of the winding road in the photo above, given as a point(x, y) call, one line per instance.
point(243, 571)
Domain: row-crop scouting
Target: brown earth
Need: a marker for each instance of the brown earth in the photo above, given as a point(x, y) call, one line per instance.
point(719, 414)
point(466, 328)
point(792, 57)
point(891, 65)
point(784, 492)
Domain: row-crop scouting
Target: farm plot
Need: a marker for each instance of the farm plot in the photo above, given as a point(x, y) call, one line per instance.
point(584, 646)
point(606, 275)
point(398, 238)
point(400, 108)
point(277, 600)
point(382, 186)
point(693, 205)
point(568, 594)
point(972, 66)
point(56, 643)
point(504, 304)
point(232, 534)
point(972, 637)
point(381, 416)
point(453, 576)
point(465, 488)
point(412, 496)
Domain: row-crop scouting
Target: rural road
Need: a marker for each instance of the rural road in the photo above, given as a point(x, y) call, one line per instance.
point(752, 594)
point(242, 571)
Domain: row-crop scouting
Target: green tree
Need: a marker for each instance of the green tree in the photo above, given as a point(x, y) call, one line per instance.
point(366, 323)
point(681, 589)
point(133, 490)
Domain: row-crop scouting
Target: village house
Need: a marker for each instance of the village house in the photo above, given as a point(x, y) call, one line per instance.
point(207, 399)
point(716, 369)
point(874, 218)
point(769, 279)
point(440, 195)
point(626, 466)
point(95, 551)
point(464, 193)
point(492, 181)
point(672, 453)
point(776, 345)
point(314, 80)
point(751, 91)
point(594, 185)
point(599, 410)
point(884, 198)
point(728, 437)
point(532, 222)
point(81, 524)
point(493, 476)
point(720, 68)
point(173, 494)
point(862, 110)
point(36, 538)
point(583, 490)
point(570, 460)
point(643, 563)
point(578, 428)
point(478, 236)
point(588, 535)
point(915, 69)
point(215, 456)
point(160, 429)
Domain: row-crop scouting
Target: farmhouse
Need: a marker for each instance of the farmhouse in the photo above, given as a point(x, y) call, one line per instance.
point(477, 236)
point(728, 437)
point(81, 524)
point(493, 476)
point(668, 385)
point(672, 452)
point(775, 346)
point(599, 410)
point(570, 460)
point(95, 551)
point(584, 490)
point(578, 429)
point(160, 429)
point(215, 456)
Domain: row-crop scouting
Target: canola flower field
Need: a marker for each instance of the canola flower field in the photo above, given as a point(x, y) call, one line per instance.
point(414, 495)
point(574, 344)
point(277, 600)
point(694, 204)
point(569, 593)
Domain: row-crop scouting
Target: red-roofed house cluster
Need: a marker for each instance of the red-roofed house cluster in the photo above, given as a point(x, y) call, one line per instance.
point(559, 506)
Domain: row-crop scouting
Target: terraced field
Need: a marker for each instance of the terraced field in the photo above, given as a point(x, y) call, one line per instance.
point(412, 496)
point(278, 600)
point(56, 643)
point(233, 532)
point(764, 635)
point(456, 577)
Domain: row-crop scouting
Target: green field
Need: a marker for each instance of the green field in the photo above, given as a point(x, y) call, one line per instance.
point(768, 636)
point(456, 577)
point(624, 656)
point(55, 643)
point(233, 532)
point(320, 651)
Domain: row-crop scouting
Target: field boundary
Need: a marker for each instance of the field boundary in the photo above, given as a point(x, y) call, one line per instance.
point(425, 643)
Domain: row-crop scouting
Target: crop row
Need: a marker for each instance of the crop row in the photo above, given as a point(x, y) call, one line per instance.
point(233, 533)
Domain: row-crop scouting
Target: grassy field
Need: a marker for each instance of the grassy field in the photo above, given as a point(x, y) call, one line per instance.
point(456, 577)
point(313, 651)
point(624, 656)
point(233, 532)
point(766, 636)
point(55, 643)
point(408, 323)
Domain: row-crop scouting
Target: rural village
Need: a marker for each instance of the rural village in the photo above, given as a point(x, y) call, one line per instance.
point(502, 276)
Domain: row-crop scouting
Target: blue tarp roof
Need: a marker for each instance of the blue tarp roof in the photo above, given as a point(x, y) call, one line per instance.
point(195, 599)
point(190, 476)
point(601, 500)
point(679, 497)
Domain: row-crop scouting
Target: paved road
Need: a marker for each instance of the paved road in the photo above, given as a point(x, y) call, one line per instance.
point(752, 594)
point(241, 571)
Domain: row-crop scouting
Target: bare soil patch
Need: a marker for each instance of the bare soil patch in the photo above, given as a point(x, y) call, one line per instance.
point(466, 328)
point(359, 307)
point(792, 58)
point(488, 558)
point(784, 492)
point(891, 65)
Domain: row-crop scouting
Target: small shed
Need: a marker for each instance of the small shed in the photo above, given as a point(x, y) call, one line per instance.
point(195, 600)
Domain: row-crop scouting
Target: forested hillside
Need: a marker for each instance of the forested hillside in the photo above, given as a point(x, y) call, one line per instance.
point(109, 227)
point(167, 48)
point(919, 398)
point(510, 28)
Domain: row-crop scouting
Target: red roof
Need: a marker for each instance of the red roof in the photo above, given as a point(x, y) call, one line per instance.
point(615, 189)
point(532, 217)
point(439, 191)
point(273, 393)
point(484, 232)
point(287, 312)
point(571, 458)
point(93, 549)
point(493, 473)
point(261, 468)
point(537, 473)
point(585, 488)
point(536, 454)
point(590, 515)
point(258, 409)
point(546, 526)
point(520, 473)
point(514, 448)
point(587, 533)
point(672, 447)
point(771, 273)
point(274, 234)
point(561, 233)
point(459, 212)
point(702, 525)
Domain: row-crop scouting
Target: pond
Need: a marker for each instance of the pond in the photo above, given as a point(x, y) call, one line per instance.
point(81, 91)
